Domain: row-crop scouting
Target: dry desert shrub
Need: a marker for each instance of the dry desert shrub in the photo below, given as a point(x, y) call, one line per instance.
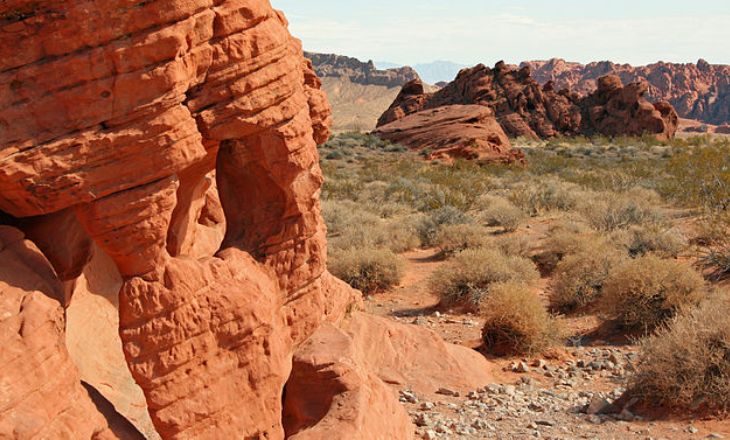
point(579, 277)
point(452, 239)
point(369, 270)
point(513, 245)
point(539, 196)
point(498, 211)
point(564, 241)
point(431, 224)
point(645, 292)
point(652, 238)
point(686, 364)
point(609, 211)
point(349, 226)
point(516, 321)
point(467, 278)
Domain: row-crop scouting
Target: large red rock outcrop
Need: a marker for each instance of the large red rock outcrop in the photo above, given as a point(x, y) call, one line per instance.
point(524, 108)
point(42, 396)
point(176, 141)
point(453, 132)
point(696, 90)
point(340, 373)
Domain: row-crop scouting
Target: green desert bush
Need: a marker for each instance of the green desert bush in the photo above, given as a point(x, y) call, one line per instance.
point(686, 363)
point(369, 270)
point(579, 277)
point(452, 239)
point(498, 211)
point(466, 278)
point(516, 321)
point(645, 292)
point(432, 223)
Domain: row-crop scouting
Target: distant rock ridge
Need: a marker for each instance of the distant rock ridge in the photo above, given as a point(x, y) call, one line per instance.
point(696, 90)
point(522, 108)
point(340, 66)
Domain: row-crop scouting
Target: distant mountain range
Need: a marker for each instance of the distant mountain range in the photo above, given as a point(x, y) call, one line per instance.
point(432, 73)
point(699, 91)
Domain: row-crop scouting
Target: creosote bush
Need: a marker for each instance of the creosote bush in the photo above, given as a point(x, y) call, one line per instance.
point(563, 242)
point(687, 362)
point(467, 278)
point(432, 223)
point(645, 292)
point(652, 238)
point(516, 321)
point(579, 277)
point(498, 211)
point(369, 270)
point(452, 239)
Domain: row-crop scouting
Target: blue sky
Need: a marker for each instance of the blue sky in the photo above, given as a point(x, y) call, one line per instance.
point(471, 31)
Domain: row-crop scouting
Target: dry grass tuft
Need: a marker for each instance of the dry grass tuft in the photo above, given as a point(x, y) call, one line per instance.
point(686, 364)
point(516, 322)
point(368, 270)
point(452, 239)
point(579, 277)
point(498, 211)
point(467, 278)
point(644, 293)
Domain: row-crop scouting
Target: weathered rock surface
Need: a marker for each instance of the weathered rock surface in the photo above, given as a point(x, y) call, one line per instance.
point(524, 108)
point(415, 357)
point(41, 390)
point(332, 394)
point(696, 90)
point(453, 132)
point(177, 142)
point(340, 66)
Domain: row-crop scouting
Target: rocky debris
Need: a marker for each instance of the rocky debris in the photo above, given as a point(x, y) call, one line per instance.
point(549, 407)
point(696, 90)
point(340, 66)
point(453, 132)
point(524, 108)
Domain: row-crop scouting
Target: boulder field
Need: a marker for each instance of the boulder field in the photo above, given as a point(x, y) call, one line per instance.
point(519, 107)
point(162, 253)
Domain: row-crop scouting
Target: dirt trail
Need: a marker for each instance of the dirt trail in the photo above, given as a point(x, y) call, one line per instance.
point(561, 375)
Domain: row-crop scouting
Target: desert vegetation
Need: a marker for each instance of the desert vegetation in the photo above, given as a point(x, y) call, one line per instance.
point(629, 230)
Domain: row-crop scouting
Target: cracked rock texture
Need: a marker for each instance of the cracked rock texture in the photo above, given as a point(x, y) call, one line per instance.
point(159, 180)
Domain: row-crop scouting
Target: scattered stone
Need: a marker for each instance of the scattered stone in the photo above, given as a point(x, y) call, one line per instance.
point(447, 392)
point(430, 435)
point(407, 396)
point(597, 405)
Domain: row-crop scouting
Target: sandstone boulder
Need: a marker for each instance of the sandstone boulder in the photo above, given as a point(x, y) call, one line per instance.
point(453, 132)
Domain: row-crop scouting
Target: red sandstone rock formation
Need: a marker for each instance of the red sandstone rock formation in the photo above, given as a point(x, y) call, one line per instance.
point(524, 108)
point(178, 139)
point(453, 132)
point(697, 91)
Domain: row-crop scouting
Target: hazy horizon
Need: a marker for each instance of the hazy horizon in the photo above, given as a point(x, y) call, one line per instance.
point(412, 32)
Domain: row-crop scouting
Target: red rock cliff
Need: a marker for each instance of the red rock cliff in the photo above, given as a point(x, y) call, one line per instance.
point(176, 140)
point(697, 90)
